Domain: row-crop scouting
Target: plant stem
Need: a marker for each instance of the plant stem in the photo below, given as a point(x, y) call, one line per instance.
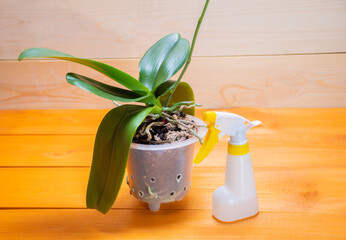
point(190, 53)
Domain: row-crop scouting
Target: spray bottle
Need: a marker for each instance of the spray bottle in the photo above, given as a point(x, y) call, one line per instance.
point(237, 199)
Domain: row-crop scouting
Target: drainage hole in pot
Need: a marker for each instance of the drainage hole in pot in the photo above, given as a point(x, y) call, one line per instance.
point(132, 189)
point(185, 188)
point(131, 177)
point(141, 194)
point(172, 193)
point(152, 179)
point(179, 176)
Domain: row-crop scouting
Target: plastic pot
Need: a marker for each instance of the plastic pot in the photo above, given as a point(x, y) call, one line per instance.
point(161, 173)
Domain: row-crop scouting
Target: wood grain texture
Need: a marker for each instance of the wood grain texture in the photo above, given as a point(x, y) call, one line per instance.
point(275, 121)
point(166, 224)
point(76, 150)
point(67, 121)
point(258, 81)
point(123, 29)
point(299, 166)
point(287, 188)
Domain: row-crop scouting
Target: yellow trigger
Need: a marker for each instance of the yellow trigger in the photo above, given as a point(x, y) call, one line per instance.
point(210, 140)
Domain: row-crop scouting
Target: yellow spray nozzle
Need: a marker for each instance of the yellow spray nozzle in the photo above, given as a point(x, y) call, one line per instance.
point(211, 138)
point(209, 116)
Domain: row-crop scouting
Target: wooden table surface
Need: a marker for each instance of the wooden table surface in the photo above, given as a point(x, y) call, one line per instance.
point(299, 159)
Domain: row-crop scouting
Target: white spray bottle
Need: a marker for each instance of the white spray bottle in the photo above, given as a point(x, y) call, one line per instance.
point(237, 199)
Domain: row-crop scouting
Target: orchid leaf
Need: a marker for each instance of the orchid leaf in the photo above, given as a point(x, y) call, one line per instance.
point(173, 62)
point(164, 88)
point(106, 91)
point(163, 60)
point(151, 61)
point(183, 92)
point(116, 74)
point(111, 150)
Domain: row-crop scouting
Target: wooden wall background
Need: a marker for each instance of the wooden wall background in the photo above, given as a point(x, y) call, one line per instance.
point(258, 53)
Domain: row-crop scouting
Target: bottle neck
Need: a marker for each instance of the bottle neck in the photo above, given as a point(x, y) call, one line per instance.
point(239, 138)
point(240, 147)
point(238, 150)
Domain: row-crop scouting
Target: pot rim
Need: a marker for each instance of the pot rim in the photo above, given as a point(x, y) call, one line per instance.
point(166, 146)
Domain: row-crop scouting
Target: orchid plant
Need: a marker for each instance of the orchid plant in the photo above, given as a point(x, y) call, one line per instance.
point(154, 89)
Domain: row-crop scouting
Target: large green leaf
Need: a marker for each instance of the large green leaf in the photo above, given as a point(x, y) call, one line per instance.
point(173, 62)
point(107, 91)
point(153, 58)
point(116, 74)
point(111, 150)
point(163, 60)
point(102, 154)
point(183, 92)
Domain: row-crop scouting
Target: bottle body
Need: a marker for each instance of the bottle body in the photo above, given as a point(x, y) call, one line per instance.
point(237, 199)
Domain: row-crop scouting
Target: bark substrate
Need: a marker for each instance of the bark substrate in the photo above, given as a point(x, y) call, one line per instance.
point(164, 131)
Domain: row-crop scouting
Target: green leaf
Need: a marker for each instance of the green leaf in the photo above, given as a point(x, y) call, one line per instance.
point(102, 154)
point(107, 91)
point(183, 92)
point(112, 146)
point(116, 74)
point(163, 60)
point(153, 58)
point(173, 62)
point(164, 88)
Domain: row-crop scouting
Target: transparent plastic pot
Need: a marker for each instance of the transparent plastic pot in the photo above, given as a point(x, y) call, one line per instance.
point(161, 173)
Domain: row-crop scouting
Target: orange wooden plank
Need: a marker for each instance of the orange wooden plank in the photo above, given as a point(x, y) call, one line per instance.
point(275, 121)
point(283, 188)
point(50, 121)
point(266, 150)
point(298, 158)
point(46, 150)
point(165, 224)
